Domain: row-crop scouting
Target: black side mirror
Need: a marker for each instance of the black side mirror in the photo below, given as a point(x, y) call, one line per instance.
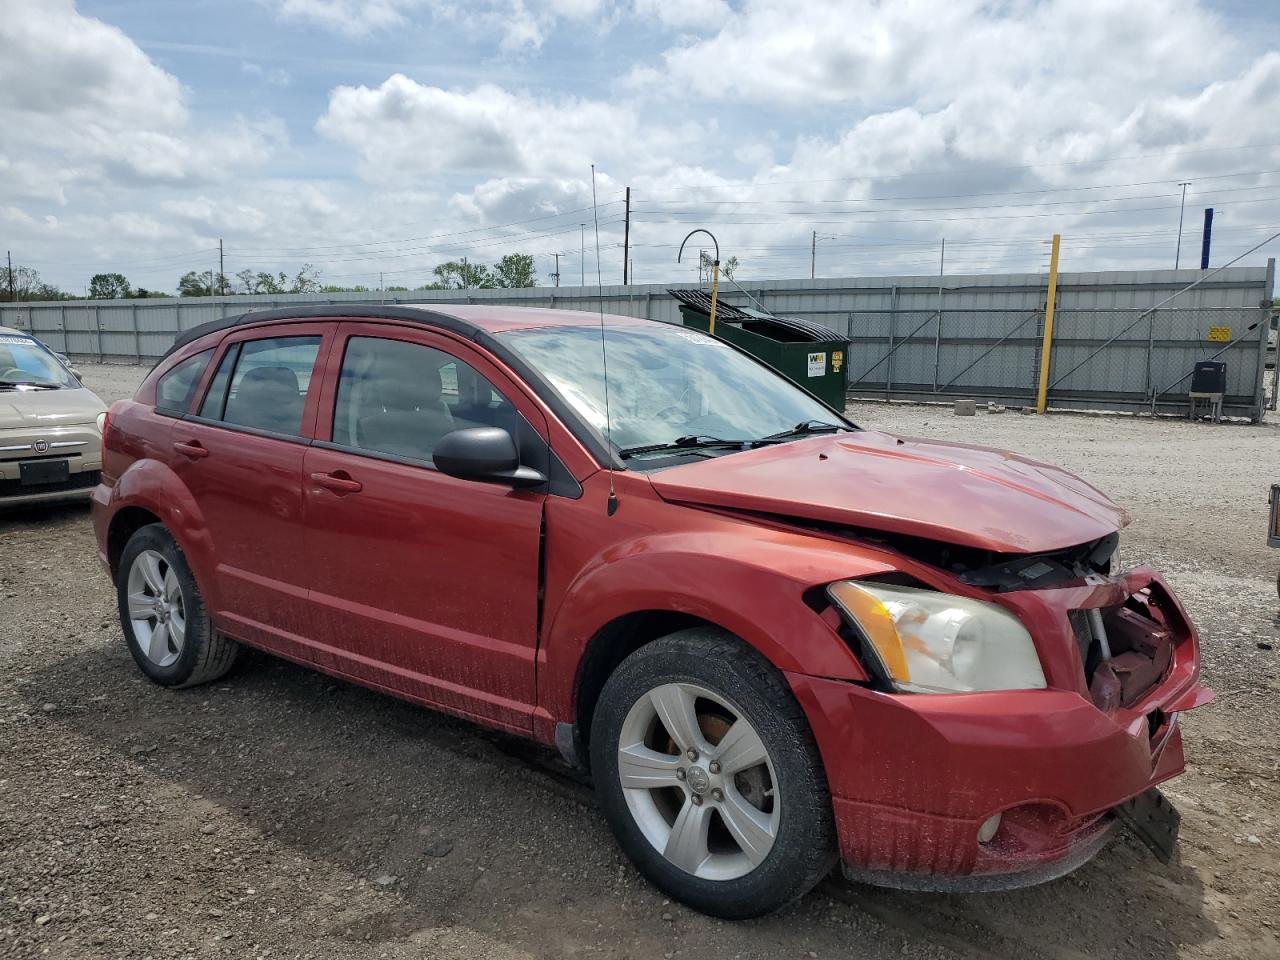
point(487, 454)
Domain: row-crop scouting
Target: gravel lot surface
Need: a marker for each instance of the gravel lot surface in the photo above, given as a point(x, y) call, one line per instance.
point(280, 813)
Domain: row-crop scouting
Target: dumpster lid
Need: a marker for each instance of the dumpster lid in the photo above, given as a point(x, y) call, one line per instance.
point(800, 330)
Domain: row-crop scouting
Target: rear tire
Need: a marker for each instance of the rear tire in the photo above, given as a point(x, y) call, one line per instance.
point(163, 615)
point(734, 839)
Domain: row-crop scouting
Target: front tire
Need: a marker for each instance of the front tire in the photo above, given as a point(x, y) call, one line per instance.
point(163, 615)
point(709, 776)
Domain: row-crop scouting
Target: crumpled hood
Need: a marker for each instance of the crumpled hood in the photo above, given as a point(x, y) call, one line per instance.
point(48, 408)
point(954, 493)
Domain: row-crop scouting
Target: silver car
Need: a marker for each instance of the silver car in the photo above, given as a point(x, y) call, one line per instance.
point(50, 425)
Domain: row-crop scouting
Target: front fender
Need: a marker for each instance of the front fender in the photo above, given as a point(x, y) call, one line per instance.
point(745, 578)
point(154, 487)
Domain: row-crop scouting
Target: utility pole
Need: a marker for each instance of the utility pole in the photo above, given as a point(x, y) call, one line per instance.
point(556, 276)
point(13, 296)
point(1177, 256)
point(813, 251)
point(466, 280)
point(626, 239)
point(222, 270)
point(582, 254)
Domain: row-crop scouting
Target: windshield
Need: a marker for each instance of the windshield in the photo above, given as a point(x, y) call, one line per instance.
point(666, 383)
point(25, 364)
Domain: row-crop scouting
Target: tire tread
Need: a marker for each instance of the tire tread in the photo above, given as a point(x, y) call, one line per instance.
point(818, 837)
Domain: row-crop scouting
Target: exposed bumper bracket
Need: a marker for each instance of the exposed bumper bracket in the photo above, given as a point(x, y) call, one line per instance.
point(1154, 820)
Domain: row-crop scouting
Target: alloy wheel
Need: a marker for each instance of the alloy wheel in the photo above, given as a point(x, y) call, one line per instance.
point(698, 781)
point(157, 610)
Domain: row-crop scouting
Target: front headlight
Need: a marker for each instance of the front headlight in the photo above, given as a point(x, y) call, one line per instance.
point(931, 642)
point(102, 422)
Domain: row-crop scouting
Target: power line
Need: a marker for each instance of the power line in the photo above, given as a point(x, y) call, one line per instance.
point(679, 216)
point(433, 236)
point(988, 169)
point(956, 196)
point(702, 211)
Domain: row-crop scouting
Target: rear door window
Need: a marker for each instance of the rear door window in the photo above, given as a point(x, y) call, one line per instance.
point(263, 384)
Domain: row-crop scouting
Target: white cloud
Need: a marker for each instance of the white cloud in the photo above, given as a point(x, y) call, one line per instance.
point(61, 65)
point(864, 51)
point(684, 14)
point(351, 17)
point(277, 76)
point(407, 130)
point(801, 119)
point(92, 107)
point(520, 25)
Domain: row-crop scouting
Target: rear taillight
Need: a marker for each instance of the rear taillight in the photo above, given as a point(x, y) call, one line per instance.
point(104, 422)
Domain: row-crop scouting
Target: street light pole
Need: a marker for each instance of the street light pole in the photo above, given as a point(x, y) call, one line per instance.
point(582, 254)
point(1177, 256)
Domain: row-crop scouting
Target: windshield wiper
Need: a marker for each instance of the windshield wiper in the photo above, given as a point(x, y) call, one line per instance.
point(801, 429)
point(684, 443)
point(39, 385)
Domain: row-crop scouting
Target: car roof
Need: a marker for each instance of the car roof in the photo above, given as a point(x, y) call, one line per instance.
point(499, 318)
point(13, 332)
point(476, 321)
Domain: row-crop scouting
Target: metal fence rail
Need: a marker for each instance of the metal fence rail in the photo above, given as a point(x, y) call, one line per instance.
point(910, 337)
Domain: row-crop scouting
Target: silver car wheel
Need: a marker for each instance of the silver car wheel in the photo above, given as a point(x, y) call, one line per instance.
point(157, 610)
point(698, 781)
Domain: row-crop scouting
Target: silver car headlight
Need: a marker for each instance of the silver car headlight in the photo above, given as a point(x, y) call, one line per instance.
point(930, 642)
point(102, 421)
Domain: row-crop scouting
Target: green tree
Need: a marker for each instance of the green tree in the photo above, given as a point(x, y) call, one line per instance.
point(23, 283)
point(460, 275)
point(47, 291)
point(109, 286)
point(195, 284)
point(306, 280)
point(727, 267)
point(514, 270)
point(247, 280)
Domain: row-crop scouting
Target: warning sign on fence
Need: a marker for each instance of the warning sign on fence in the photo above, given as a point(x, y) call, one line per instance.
point(1220, 334)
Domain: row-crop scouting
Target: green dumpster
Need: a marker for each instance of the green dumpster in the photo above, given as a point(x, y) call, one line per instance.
point(805, 352)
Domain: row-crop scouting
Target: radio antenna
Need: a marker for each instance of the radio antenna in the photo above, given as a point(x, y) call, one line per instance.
point(604, 350)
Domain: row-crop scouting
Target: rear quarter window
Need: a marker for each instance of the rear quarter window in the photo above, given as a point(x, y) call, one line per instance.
point(176, 389)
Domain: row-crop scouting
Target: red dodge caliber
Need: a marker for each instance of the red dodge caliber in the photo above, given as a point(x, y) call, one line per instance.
point(777, 640)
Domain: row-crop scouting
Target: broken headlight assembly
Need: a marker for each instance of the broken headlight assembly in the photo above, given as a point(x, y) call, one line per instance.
point(930, 642)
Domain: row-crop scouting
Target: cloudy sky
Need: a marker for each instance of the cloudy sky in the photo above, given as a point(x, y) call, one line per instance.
point(386, 136)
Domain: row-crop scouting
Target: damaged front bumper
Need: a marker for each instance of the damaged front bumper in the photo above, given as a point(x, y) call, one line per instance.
point(915, 777)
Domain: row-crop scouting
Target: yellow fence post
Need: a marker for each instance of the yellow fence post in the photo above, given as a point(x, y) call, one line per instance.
point(1046, 346)
point(715, 289)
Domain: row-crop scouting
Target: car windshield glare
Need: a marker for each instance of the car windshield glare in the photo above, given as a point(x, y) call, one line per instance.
point(25, 363)
point(665, 382)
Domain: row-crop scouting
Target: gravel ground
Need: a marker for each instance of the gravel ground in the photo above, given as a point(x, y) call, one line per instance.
point(280, 813)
